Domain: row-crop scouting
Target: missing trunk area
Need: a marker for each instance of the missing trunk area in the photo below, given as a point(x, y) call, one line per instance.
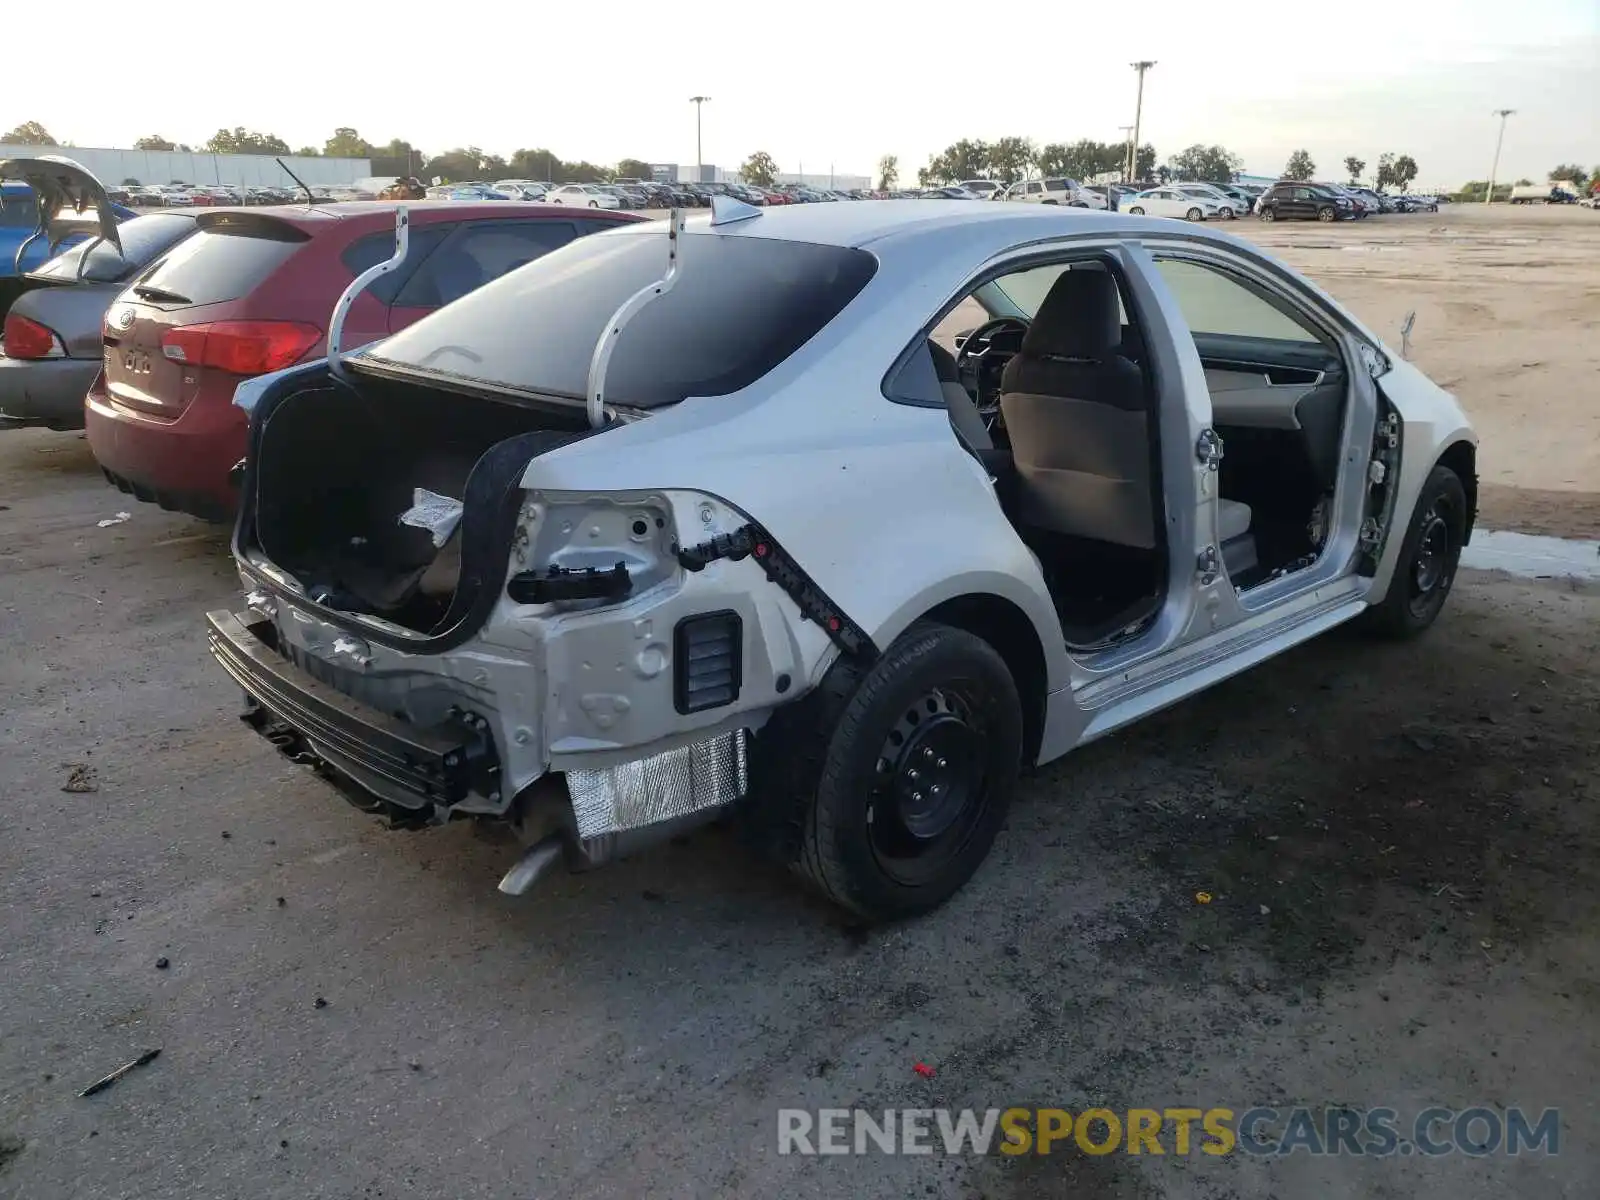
point(397, 501)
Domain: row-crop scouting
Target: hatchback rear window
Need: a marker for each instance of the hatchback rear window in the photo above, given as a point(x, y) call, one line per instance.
point(739, 306)
point(142, 239)
point(218, 264)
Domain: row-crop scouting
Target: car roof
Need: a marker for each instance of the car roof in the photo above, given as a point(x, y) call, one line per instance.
point(991, 227)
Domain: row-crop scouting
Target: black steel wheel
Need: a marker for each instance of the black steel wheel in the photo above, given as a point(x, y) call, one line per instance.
point(1426, 569)
point(895, 778)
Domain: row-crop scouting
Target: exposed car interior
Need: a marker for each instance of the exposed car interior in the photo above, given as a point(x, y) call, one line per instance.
point(1051, 392)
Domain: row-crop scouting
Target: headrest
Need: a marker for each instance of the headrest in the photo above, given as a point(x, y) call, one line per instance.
point(1079, 318)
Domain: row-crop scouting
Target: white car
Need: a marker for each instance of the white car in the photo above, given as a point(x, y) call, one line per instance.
point(1170, 202)
point(1227, 206)
point(584, 195)
point(525, 189)
point(704, 517)
point(983, 189)
point(1068, 192)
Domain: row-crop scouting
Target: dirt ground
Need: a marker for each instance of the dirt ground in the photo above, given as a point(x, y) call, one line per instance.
point(1508, 318)
point(1401, 845)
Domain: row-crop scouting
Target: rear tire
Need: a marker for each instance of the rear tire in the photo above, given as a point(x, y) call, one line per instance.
point(1326, 214)
point(1194, 214)
point(1136, 211)
point(1428, 559)
point(594, 204)
point(893, 780)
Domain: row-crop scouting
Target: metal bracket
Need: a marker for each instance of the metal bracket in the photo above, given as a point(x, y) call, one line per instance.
point(1208, 449)
point(1208, 565)
point(341, 309)
point(601, 359)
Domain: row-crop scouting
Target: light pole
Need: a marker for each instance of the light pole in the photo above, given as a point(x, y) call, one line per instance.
point(699, 160)
point(1502, 113)
point(1138, 115)
point(1127, 136)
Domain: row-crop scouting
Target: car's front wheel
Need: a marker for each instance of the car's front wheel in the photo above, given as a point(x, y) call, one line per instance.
point(1326, 214)
point(1268, 214)
point(1136, 211)
point(594, 204)
point(1194, 214)
point(1429, 556)
point(896, 777)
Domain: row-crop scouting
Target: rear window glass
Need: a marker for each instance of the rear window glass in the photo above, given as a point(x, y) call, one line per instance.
point(738, 307)
point(1055, 185)
point(142, 239)
point(216, 265)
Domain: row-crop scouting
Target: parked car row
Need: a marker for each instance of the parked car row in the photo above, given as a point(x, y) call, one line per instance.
point(1195, 201)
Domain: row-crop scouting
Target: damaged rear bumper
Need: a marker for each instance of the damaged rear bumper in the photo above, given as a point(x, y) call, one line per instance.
point(586, 816)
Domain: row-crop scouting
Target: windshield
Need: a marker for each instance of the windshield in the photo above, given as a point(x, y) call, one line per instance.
point(738, 307)
point(142, 239)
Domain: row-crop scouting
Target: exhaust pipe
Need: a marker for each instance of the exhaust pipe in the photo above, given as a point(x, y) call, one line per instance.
point(539, 860)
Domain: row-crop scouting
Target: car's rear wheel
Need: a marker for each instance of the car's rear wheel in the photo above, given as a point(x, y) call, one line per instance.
point(895, 778)
point(1326, 214)
point(1136, 211)
point(1429, 556)
point(1194, 214)
point(594, 204)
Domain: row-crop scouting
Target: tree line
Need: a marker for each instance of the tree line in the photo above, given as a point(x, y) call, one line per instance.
point(1006, 159)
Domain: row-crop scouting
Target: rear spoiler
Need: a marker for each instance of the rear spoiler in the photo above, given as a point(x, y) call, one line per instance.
point(62, 186)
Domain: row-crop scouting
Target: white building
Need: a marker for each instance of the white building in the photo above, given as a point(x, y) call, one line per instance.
point(113, 167)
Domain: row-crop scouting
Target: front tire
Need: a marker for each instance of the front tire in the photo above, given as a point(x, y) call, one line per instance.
point(1429, 556)
point(594, 204)
point(1136, 211)
point(1268, 214)
point(1326, 215)
point(897, 776)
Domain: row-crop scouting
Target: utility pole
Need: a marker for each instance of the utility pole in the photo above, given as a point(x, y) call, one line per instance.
point(699, 158)
point(1138, 116)
point(1502, 113)
point(1132, 160)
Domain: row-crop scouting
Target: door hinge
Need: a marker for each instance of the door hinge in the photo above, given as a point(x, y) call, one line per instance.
point(1207, 566)
point(1208, 449)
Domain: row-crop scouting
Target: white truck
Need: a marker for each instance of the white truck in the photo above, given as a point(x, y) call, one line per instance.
point(1541, 193)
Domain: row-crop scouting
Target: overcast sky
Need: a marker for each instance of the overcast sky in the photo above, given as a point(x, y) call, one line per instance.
point(815, 82)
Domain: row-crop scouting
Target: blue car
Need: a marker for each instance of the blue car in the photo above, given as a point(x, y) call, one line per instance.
point(39, 211)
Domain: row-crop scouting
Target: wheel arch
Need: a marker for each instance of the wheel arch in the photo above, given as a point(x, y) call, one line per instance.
point(1007, 628)
point(1462, 458)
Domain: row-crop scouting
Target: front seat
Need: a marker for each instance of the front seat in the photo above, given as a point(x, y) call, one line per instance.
point(1078, 419)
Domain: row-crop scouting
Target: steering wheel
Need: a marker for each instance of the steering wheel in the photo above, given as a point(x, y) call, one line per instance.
point(972, 363)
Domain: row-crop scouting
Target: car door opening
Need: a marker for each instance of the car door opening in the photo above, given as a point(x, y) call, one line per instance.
point(1049, 394)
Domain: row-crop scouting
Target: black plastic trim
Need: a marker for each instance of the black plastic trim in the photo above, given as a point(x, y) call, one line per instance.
point(686, 696)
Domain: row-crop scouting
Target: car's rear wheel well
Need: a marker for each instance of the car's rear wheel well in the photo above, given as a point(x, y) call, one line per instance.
point(1010, 631)
point(1462, 458)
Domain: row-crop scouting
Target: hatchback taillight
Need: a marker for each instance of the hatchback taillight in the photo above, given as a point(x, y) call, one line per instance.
point(242, 347)
point(29, 339)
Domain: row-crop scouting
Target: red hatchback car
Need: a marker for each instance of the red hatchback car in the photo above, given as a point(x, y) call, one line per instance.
point(251, 291)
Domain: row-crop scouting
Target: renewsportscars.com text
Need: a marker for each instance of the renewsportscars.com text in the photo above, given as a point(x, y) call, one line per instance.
point(1373, 1132)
